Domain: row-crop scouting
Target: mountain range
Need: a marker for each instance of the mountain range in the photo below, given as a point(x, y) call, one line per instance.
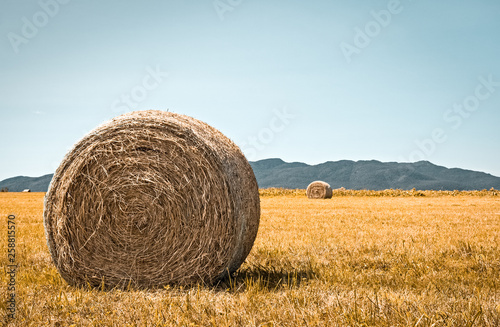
point(20, 183)
point(371, 175)
point(356, 175)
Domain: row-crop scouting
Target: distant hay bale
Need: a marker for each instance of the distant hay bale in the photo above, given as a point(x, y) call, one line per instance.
point(319, 190)
point(148, 199)
point(26, 190)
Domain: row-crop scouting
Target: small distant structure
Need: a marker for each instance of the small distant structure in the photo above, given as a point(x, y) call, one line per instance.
point(26, 190)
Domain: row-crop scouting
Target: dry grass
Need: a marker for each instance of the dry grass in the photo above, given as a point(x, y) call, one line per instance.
point(387, 193)
point(352, 260)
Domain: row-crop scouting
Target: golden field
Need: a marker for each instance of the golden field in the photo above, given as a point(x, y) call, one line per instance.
point(362, 258)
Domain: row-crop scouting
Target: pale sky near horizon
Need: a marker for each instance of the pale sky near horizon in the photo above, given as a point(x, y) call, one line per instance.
point(309, 81)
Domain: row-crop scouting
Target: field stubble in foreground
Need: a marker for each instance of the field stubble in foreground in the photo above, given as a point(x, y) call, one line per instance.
point(348, 261)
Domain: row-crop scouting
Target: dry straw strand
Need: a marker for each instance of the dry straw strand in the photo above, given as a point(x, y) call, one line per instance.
point(151, 198)
point(319, 190)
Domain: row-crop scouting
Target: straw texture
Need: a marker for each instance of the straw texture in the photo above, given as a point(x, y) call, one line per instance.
point(319, 190)
point(151, 198)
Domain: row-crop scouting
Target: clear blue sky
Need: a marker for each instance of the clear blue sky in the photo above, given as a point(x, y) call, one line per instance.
point(306, 81)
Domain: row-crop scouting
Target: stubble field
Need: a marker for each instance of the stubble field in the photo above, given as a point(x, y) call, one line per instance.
point(359, 259)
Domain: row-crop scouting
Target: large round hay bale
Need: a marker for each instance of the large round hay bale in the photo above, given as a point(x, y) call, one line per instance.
point(319, 190)
point(151, 198)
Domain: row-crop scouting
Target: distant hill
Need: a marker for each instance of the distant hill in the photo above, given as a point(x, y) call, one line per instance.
point(356, 175)
point(371, 175)
point(20, 183)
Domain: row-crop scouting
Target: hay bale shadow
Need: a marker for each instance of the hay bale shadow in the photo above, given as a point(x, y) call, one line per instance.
point(265, 278)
